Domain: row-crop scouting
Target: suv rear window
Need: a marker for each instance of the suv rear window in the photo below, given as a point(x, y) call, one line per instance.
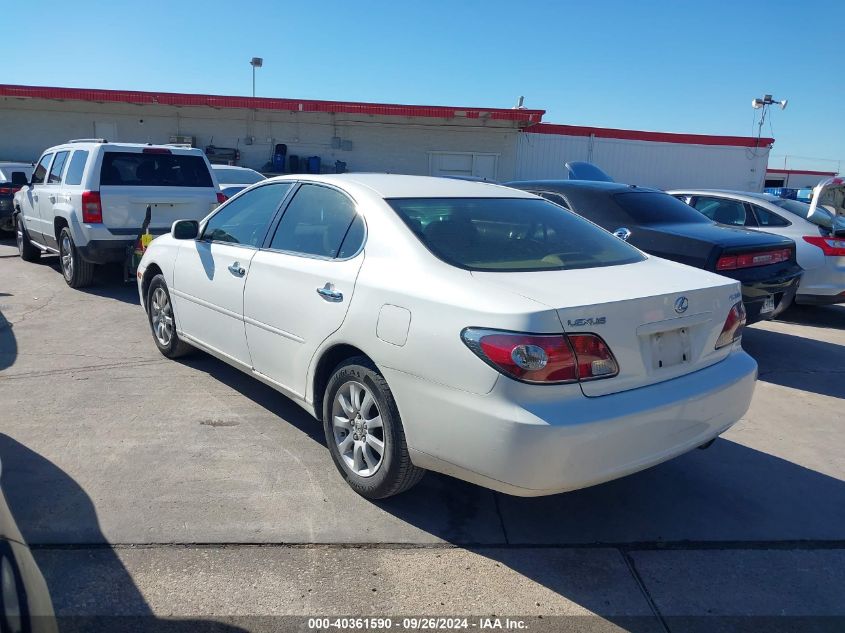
point(510, 234)
point(154, 170)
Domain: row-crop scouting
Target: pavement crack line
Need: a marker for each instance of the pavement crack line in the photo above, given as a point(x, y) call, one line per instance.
point(82, 369)
point(501, 517)
point(624, 547)
point(629, 562)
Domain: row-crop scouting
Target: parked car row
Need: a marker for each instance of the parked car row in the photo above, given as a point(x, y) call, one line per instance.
point(532, 338)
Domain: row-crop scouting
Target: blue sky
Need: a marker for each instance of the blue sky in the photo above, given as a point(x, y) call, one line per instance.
point(667, 66)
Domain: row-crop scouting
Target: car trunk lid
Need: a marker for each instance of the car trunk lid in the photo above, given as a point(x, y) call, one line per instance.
point(660, 319)
point(124, 206)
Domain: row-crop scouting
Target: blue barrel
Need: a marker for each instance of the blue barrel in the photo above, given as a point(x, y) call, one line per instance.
point(279, 155)
point(313, 164)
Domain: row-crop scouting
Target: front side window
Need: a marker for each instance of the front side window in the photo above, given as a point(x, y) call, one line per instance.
point(40, 173)
point(55, 176)
point(510, 234)
point(154, 169)
point(730, 212)
point(244, 220)
point(76, 167)
point(316, 222)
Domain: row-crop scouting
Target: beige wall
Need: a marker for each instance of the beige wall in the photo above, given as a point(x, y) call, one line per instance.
point(394, 144)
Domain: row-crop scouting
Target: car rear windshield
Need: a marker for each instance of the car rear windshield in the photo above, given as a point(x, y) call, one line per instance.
point(802, 210)
point(237, 176)
point(652, 207)
point(154, 170)
point(510, 234)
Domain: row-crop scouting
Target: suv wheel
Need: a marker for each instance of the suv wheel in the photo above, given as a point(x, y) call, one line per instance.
point(364, 432)
point(162, 322)
point(29, 252)
point(77, 272)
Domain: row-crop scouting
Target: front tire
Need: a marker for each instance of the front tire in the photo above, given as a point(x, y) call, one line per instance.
point(364, 432)
point(162, 321)
point(77, 272)
point(29, 252)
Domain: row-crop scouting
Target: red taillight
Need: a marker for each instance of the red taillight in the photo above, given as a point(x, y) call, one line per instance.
point(732, 330)
point(543, 358)
point(92, 208)
point(221, 197)
point(749, 260)
point(5, 191)
point(831, 246)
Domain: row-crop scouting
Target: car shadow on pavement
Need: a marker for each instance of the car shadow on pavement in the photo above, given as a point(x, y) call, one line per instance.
point(797, 362)
point(98, 595)
point(815, 316)
point(108, 281)
point(728, 496)
point(8, 344)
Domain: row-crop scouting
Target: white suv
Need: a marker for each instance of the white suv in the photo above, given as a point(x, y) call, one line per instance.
point(87, 199)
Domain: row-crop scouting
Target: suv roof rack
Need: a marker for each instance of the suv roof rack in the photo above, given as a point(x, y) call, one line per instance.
point(88, 140)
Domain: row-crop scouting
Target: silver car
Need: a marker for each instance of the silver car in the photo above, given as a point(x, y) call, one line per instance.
point(818, 231)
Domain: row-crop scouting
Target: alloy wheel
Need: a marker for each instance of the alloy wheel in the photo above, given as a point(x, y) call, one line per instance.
point(67, 257)
point(161, 316)
point(358, 428)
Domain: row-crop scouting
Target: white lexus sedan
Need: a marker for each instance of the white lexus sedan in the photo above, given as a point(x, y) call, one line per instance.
point(455, 326)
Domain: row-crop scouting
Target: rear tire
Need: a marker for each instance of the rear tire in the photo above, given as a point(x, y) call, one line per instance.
point(162, 320)
point(77, 272)
point(29, 252)
point(360, 418)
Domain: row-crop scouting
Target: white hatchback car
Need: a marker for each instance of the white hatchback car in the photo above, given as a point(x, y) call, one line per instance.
point(819, 247)
point(462, 327)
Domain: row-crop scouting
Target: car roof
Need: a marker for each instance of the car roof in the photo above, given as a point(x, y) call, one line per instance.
point(747, 195)
point(403, 186)
point(219, 166)
point(581, 185)
point(86, 144)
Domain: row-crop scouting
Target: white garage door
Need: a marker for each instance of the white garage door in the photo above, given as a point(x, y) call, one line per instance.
point(464, 164)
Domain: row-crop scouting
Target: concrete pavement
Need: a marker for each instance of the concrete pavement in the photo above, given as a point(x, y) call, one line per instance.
point(217, 496)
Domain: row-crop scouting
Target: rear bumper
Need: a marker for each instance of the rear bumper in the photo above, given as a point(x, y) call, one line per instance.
point(754, 294)
point(105, 251)
point(531, 447)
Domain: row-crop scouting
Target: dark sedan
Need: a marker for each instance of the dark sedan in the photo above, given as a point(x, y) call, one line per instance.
point(658, 224)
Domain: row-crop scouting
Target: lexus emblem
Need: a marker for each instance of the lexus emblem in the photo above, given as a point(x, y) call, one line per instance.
point(681, 305)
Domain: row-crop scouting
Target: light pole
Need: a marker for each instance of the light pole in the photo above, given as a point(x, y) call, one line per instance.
point(255, 62)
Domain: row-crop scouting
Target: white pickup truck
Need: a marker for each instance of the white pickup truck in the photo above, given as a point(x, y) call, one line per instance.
point(87, 200)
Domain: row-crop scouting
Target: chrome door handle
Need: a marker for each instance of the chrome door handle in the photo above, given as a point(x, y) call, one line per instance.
point(237, 269)
point(35, 197)
point(53, 199)
point(328, 293)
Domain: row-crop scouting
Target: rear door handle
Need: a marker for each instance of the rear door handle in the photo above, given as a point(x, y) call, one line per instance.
point(328, 293)
point(237, 270)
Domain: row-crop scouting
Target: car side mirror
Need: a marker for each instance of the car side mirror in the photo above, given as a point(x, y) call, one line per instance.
point(185, 229)
point(622, 233)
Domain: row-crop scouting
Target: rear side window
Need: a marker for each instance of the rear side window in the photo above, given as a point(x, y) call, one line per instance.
point(244, 220)
point(767, 218)
point(40, 173)
point(730, 212)
point(154, 170)
point(316, 222)
point(651, 207)
point(76, 167)
point(55, 176)
point(510, 234)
